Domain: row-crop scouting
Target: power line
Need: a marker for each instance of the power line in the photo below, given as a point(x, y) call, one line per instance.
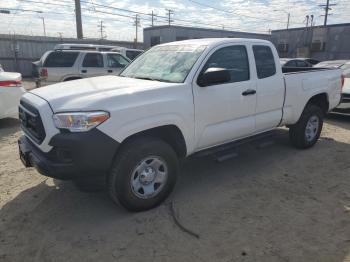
point(231, 12)
point(135, 12)
point(101, 29)
point(170, 13)
point(326, 8)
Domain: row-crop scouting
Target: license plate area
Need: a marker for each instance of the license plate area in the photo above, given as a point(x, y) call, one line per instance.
point(23, 154)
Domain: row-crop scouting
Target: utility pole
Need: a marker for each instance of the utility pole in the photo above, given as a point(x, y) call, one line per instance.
point(152, 18)
point(288, 16)
point(44, 27)
point(136, 24)
point(78, 19)
point(101, 27)
point(170, 13)
point(326, 7)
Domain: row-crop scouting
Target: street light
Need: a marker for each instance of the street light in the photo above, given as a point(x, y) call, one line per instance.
point(8, 11)
point(288, 14)
point(43, 18)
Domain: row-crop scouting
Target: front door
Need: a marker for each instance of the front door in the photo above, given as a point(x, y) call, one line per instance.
point(92, 65)
point(225, 112)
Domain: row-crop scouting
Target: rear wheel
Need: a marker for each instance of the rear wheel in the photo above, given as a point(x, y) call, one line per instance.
point(144, 173)
point(307, 130)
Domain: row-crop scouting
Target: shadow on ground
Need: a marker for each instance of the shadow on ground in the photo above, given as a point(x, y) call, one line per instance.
point(271, 204)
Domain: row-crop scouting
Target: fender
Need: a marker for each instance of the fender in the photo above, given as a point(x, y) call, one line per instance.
point(122, 131)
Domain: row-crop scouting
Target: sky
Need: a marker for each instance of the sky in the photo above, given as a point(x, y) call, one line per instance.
point(119, 23)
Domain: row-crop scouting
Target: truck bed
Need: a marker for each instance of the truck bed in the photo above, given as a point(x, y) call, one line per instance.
point(303, 83)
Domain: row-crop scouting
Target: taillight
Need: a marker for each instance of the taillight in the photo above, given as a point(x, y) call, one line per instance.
point(43, 72)
point(342, 81)
point(10, 83)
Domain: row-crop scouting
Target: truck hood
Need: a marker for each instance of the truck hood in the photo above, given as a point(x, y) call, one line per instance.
point(85, 94)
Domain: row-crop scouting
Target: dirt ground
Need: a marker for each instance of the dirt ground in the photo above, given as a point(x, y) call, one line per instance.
point(270, 204)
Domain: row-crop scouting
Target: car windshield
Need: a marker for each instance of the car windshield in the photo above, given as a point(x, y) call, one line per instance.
point(170, 63)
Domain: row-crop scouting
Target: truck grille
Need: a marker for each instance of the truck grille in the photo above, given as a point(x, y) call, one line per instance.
point(31, 122)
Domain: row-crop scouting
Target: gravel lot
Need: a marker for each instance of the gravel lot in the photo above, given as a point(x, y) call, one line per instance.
point(270, 204)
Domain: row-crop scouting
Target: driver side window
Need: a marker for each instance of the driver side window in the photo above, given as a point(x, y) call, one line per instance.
point(232, 58)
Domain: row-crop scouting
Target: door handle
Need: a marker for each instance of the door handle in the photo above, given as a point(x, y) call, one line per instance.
point(249, 92)
point(110, 71)
point(83, 71)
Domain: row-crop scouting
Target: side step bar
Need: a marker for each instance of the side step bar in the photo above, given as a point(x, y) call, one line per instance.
point(229, 150)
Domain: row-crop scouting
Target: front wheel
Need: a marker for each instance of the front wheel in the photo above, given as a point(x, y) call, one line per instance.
point(307, 130)
point(144, 173)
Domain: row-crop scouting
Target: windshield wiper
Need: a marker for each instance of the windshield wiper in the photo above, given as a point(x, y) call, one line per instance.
point(147, 78)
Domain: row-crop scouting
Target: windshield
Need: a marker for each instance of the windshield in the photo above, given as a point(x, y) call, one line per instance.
point(170, 63)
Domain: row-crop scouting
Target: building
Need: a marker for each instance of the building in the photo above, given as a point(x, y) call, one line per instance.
point(320, 42)
point(164, 34)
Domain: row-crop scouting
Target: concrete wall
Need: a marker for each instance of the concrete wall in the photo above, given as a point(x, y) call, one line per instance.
point(174, 33)
point(336, 40)
point(18, 52)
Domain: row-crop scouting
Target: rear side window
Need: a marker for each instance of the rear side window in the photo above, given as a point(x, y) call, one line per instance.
point(61, 59)
point(301, 63)
point(264, 60)
point(93, 60)
point(232, 58)
point(291, 63)
point(131, 54)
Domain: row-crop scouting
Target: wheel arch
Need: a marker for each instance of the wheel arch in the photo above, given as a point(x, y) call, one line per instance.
point(321, 100)
point(70, 78)
point(170, 134)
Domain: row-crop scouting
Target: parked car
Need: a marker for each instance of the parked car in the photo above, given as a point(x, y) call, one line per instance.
point(346, 91)
point(294, 62)
point(128, 52)
point(345, 66)
point(311, 61)
point(67, 65)
point(175, 100)
point(11, 90)
point(342, 64)
point(84, 47)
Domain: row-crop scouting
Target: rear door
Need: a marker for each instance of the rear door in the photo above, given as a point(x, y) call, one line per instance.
point(93, 65)
point(115, 63)
point(225, 112)
point(59, 64)
point(270, 88)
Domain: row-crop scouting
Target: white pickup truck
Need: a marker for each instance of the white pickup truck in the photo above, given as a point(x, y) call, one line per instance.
point(174, 100)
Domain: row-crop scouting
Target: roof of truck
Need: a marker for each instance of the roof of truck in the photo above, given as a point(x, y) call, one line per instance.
point(216, 41)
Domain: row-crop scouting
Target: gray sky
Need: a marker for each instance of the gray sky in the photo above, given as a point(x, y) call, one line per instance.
point(240, 15)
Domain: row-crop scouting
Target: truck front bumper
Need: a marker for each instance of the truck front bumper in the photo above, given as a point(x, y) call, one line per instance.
point(74, 155)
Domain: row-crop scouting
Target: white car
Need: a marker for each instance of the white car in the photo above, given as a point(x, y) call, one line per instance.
point(128, 52)
point(346, 91)
point(173, 101)
point(11, 90)
point(66, 65)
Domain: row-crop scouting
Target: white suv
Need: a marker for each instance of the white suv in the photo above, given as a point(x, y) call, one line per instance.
point(65, 65)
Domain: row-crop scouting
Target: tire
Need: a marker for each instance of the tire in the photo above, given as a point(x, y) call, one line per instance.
point(303, 135)
point(144, 164)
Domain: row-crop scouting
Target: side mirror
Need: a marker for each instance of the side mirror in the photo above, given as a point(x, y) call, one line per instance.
point(214, 76)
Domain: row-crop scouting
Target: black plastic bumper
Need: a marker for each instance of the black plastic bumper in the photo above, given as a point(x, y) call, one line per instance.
point(74, 155)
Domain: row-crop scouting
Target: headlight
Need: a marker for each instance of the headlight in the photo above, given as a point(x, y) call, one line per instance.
point(79, 121)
